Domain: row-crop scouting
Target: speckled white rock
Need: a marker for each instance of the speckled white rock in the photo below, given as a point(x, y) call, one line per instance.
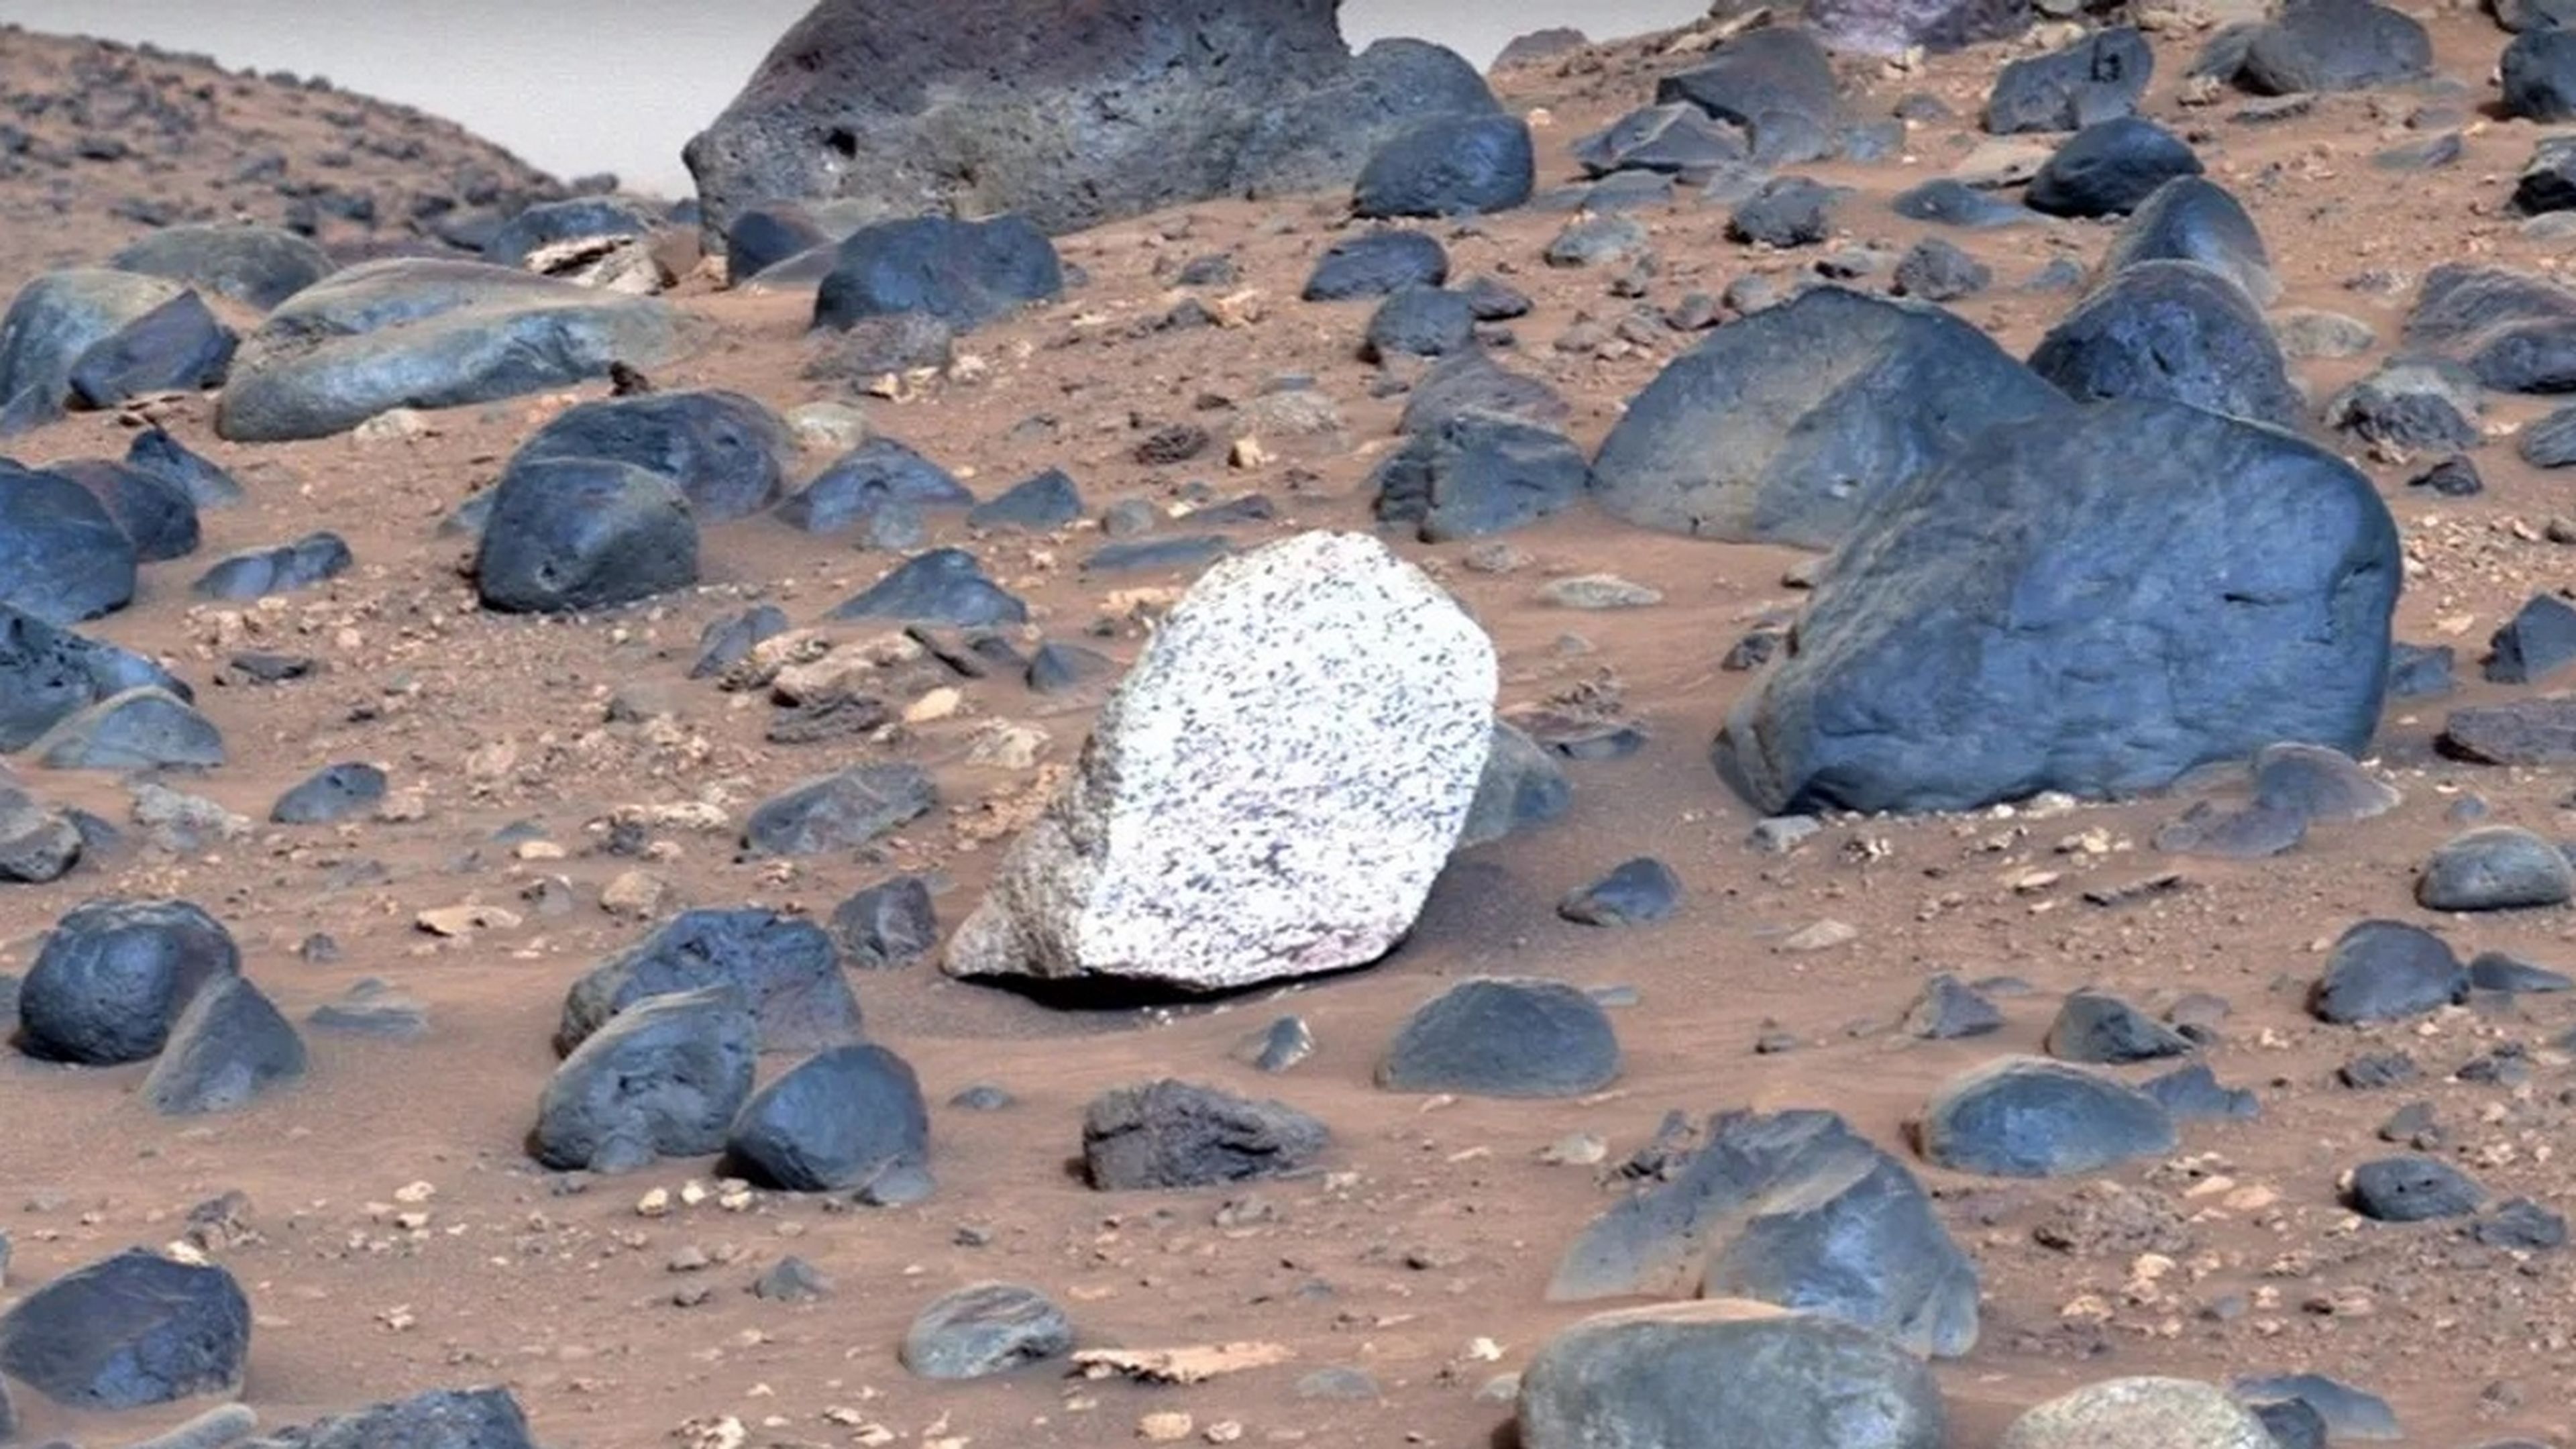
point(2144, 1413)
point(1269, 792)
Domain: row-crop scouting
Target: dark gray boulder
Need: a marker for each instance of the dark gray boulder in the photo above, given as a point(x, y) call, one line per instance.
point(38, 845)
point(2415, 404)
point(1938, 271)
point(1955, 203)
point(2098, 78)
point(1456, 165)
point(2495, 868)
point(258, 266)
point(1476, 474)
point(229, 1047)
point(1946, 664)
point(2412, 1190)
point(871, 476)
point(893, 923)
point(1789, 212)
point(2387, 971)
point(761, 236)
point(1775, 84)
point(1170, 1134)
point(985, 1329)
point(2539, 77)
point(2514, 331)
point(1949, 1009)
point(48, 674)
point(2312, 46)
point(783, 968)
point(2499, 971)
point(63, 558)
point(1726, 1372)
point(176, 347)
point(330, 795)
point(1419, 322)
point(113, 976)
point(574, 218)
point(574, 534)
point(1635, 893)
point(2106, 1031)
point(257, 573)
point(2109, 168)
point(1497, 1037)
point(129, 1332)
point(836, 1120)
point(141, 729)
point(2538, 641)
point(665, 1078)
point(1473, 382)
point(2178, 332)
point(1674, 138)
point(424, 333)
point(2193, 1094)
point(965, 273)
point(1792, 1209)
point(1377, 263)
point(154, 511)
point(207, 484)
point(1523, 787)
point(1070, 117)
point(484, 1418)
point(840, 811)
point(2029, 1117)
point(1042, 501)
point(725, 451)
point(1787, 425)
point(2194, 219)
point(942, 586)
point(52, 323)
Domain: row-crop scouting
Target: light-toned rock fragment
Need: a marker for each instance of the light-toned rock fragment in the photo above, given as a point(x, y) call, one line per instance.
point(1268, 794)
point(2143, 1413)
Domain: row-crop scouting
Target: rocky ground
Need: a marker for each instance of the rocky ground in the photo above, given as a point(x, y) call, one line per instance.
point(554, 787)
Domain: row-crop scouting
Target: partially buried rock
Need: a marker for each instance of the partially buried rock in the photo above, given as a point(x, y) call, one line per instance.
point(1479, 473)
point(2538, 74)
point(2092, 1027)
point(1471, 382)
point(571, 534)
point(483, 1418)
point(113, 976)
point(2139, 1413)
point(2412, 1190)
point(333, 794)
point(889, 924)
point(728, 639)
point(1909, 683)
point(229, 1047)
point(2497, 971)
point(129, 1332)
point(1937, 271)
point(1636, 892)
point(2193, 1093)
point(2387, 971)
point(1674, 138)
point(2314, 46)
point(2538, 641)
point(791, 1280)
point(48, 674)
point(965, 273)
point(260, 572)
point(1504, 1038)
point(1776, 83)
point(207, 485)
point(722, 450)
point(2319, 784)
point(140, 729)
point(1790, 1208)
point(1950, 1009)
point(2348, 1413)
point(2109, 168)
point(943, 586)
point(2497, 868)
point(2523, 732)
point(1524, 786)
point(1169, 1134)
point(258, 266)
point(842, 811)
point(2413, 404)
point(1725, 1371)
point(2098, 78)
point(2025, 1117)
point(664, 1078)
point(783, 967)
point(1449, 166)
point(878, 473)
point(52, 323)
point(154, 511)
point(1377, 264)
point(2174, 331)
point(1276, 783)
point(1419, 322)
point(985, 1329)
point(421, 333)
point(1790, 212)
point(178, 346)
point(2194, 219)
point(2513, 331)
point(1787, 425)
point(38, 845)
point(63, 558)
point(836, 1120)
point(1035, 504)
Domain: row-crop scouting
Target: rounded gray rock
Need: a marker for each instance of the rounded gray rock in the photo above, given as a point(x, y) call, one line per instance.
point(2139, 1413)
point(2496, 868)
point(985, 1329)
point(1504, 1038)
point(2028, 1117)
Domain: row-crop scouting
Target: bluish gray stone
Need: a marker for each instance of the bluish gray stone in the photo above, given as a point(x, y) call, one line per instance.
point(2027, 1117)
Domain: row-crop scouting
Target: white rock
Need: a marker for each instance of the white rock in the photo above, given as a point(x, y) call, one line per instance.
point(1269, 792)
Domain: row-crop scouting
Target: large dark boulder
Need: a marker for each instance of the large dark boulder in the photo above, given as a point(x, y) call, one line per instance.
point(1787, 425)
point(2096, 602)
point(487, 1418)
point(2334, 45)
point(153, 509)
point(784, 967)
point(2175, 331)
point(52, 323)
point(1776, 84)
point(48, 674)
point(725, 451)
point(258, 266)
point(568, 534)
point(1449, 166)
point(129, 1332)
point(2109, 168)
point(113, 976)
point(2097, 78)
point(178, 346)
point(837, 1120)
point(63, 558)
point(664, 1078)
point(965, 273)
point(2193, 219)
point(424, 333)
point(1070, 115)
point(2515, 332)
point(1794, 1209)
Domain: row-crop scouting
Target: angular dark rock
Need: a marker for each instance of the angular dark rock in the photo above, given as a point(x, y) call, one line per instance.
point(1637, 892)
point(140, 729)
point(228, 1047)
point(2548, 180)
point(1419, 322)
point(1937, 271)
point(1955, 203)
point(2193, 1093)
point(1524, 786)
point(155, 512)
point(52, 322)
point(129, 1332)
point(1457, 165)
point(2537, 642)
point(2109, 168)
point(1035, 504)
point(1377, 263)
point(178, 346)
point(781, 968)
point(482, 1418)
point(730, 638)
point(842, 811)
point(2194, 219)
point(2495, 868)
point(890, 924)
point(725, 452)
point(114, 975)
point(260, 572)
point(63, 557)
point(869, 477)
point(1056, 668)
point(1502, 1037)
point(1673, 138)
point(2027, 1117)
point(2522, 1226)
point(965, 273)
point(2348, 1413)
point(2412, 1190)
point(258, 266)
point(985, 1329)
point(943, 586)
point(2175, 331)
point(38, 846)
point(2514, 331)
point(1472, 382)
point(575, 534)
point(2098, 78)
point(2387, 971)
point(48, 674)
point(1476, 474)
point(1949, 1009)
point(1776, 84)
point(2107, 1031)
point(2413, 404)
point(1790, 212)
point(1170, 1134)
point(664, 1078)
point(834, 1121)
point(207, 485)
point(2497, 971)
